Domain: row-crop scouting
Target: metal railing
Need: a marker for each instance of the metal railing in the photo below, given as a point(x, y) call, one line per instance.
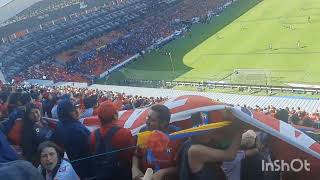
point(170, 84)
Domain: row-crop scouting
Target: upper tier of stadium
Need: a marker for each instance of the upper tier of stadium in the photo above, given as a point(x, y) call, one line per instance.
point(140, 24)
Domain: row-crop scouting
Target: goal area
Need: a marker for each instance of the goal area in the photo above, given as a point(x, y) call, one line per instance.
point(251, 76)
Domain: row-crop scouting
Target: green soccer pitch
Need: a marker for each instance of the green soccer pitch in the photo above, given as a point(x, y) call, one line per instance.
point(281, 37)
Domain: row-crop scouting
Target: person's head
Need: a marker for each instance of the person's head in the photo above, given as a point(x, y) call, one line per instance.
point(35, 95)
point(13, 99)
point(158, 117)
point(196, 119)
point(295, 119)
point(107, 112)
point(4, 96)
point(203, 118)
point(23, 98)
point(54, 99)
point(224, 134)
point(49, 155)
point(67, 110)
point(308, 122)
point(33, 113)
point(90, 102)
point(46, 95)
point(18, 99)
point(248, 139)
point(32, 116)
point(282, 115)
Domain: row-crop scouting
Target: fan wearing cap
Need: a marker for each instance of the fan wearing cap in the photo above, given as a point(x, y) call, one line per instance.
point(111, 137)
point(73, 137)
point(89, 104)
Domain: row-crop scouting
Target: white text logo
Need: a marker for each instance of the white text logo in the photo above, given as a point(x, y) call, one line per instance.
point(295, 165)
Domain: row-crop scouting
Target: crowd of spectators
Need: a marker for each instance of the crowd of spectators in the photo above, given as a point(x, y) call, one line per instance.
point(83, 96)
point(21, 112)
point(24, 131)
point(141, 35)
point(134, 42)
point(92, 97)
point(55, 71)
point(44, 43)
point(295, 116)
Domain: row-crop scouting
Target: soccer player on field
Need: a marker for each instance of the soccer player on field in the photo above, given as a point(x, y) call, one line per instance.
point(270, 45)
point(309, 19)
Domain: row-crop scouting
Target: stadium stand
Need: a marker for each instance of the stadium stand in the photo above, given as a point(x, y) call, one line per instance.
point(36, 51)
point(34, 47)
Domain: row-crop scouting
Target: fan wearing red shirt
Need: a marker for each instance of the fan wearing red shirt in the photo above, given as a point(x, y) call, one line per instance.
point(120, 138)
point(164, 164)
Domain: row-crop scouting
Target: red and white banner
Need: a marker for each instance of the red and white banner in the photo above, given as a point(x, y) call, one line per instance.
point(183, 107)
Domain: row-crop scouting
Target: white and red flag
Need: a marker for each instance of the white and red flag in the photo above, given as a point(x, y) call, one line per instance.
point(288, 142)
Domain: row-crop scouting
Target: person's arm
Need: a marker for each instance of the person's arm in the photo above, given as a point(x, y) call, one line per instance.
point(251, 152)
point(162, 173)
point(7, 153)
point(200, 154)
point(7, 125)
point(81, 141)
point(136, 172)
point(57, 137)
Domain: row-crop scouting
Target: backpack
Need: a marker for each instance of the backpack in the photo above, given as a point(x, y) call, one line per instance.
point(108, 165)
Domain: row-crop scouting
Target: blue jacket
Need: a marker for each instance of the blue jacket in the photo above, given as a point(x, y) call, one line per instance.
point(7, 125)
point(73, 137)
point(7, 154)
point(19, 170)
point(47, 106)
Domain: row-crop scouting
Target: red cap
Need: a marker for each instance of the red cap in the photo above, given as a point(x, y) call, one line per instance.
point(107, 110)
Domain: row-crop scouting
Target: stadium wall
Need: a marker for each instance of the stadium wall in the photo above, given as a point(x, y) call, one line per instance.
point(107, 72)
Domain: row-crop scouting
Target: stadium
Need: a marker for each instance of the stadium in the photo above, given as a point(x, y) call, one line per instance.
point(131, 89)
